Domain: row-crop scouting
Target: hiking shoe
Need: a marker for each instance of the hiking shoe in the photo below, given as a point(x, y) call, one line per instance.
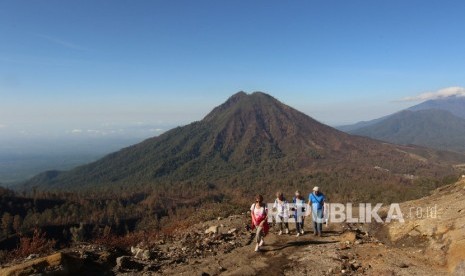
point(280, 233)
point(298, 234)
point(286, 231)
point(302, 231)
point(257, 248)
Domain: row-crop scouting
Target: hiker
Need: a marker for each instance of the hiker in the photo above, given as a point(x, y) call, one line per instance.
point(281, 207)
point(259, 214)
point(316, 201)
point(299, 212)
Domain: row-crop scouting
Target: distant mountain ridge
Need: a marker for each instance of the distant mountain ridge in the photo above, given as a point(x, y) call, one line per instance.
point(438, 123)
point(361, 124)
point(253, 139)
point(453, 104)
point(425, 127)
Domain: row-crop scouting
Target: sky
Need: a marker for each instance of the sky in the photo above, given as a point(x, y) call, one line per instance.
point(70, 68)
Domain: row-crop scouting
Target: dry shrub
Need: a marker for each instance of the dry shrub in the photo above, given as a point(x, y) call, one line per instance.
point(173, 227)
point(37, 244)
point(3, 256)
point(126, 241)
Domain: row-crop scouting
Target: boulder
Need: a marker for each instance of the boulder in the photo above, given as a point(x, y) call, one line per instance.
point(232, 231)
point(212, 230)
point(32, 256)
point(140, 253)
point(125, 263)
point(350, 237)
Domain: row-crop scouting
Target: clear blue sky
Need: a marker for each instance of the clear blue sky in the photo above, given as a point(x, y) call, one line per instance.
point(71, 66)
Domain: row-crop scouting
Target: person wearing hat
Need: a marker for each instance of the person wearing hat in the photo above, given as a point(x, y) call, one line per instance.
point(316, 202)
point(299, 212)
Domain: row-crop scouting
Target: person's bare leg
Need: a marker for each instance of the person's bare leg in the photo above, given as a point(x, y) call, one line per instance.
point(258, 238)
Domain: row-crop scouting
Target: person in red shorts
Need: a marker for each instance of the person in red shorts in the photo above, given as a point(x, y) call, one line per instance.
point(259, 214)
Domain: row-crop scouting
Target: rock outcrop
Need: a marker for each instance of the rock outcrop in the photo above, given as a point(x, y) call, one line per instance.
point(436, 225)
point(35, 266)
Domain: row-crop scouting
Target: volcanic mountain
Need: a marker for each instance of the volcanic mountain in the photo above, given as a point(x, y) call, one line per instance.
point(254, 143)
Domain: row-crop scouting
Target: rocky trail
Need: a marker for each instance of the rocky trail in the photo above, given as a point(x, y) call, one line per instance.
point(339, 252)
point(420, 246)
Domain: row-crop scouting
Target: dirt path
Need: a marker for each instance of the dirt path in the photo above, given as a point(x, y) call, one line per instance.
point(273, 258)
point(335, 253)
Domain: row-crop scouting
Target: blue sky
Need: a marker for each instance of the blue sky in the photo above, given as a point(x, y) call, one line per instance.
point(67, 67)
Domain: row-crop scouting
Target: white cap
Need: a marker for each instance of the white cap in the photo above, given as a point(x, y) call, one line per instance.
point(316, 189)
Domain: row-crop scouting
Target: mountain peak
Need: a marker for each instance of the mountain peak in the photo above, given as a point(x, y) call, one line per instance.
point(236, 97)
point(242, 99)
point(241, 95)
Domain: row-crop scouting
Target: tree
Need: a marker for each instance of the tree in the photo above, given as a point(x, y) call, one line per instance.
point(17, 223)
point(7, 221)
point(78, 234)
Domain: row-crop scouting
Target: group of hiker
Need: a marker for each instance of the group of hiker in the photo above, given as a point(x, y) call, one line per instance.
point(282, 210)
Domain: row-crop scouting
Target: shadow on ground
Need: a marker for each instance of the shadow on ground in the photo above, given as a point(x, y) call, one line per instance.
point(276, 247)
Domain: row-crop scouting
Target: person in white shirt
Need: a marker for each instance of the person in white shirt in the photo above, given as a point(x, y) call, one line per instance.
point(281, 207)
point(299, 212)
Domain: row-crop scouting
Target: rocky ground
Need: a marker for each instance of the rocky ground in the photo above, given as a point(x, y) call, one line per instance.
point(421, 246)
point(435, 225)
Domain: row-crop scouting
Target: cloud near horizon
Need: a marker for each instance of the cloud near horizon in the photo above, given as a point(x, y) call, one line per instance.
point(441, 93)
point(138, 130)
